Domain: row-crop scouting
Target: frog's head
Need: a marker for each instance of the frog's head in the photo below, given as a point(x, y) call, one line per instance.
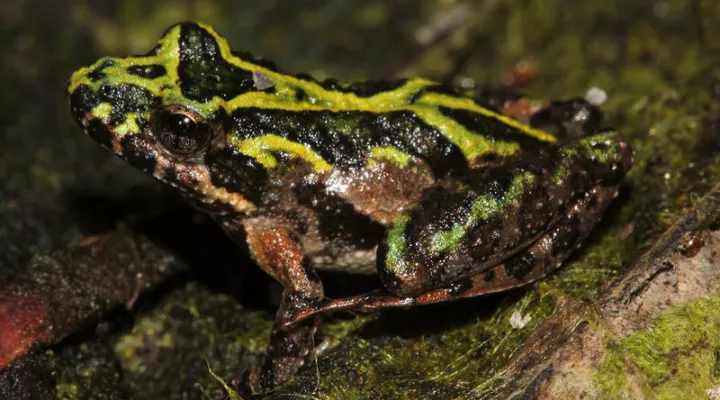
point(167, 112)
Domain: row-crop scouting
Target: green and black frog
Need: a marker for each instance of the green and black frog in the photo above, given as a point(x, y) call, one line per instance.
point(441, 196)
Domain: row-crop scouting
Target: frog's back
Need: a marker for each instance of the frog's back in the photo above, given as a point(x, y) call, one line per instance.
point(344, 123)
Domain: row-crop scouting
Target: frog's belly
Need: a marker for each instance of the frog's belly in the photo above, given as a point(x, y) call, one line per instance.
point(358, 261)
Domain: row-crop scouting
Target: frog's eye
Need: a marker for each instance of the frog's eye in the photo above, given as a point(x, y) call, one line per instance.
point(181, 132)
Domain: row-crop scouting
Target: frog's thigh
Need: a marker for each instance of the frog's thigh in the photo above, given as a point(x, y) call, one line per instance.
point(531, 264)
point(454, 234)
point(280, 254)
point(535, 262)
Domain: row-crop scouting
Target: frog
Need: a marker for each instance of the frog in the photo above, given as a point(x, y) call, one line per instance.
point(441, 195)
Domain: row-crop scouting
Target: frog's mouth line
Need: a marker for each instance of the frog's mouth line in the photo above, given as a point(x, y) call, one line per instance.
point(187, 176)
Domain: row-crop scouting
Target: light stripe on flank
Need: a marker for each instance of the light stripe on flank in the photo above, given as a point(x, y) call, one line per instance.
point(465, 103)
point(484, 207)
point(395, 156)
point(262, 148)
point(397, 246)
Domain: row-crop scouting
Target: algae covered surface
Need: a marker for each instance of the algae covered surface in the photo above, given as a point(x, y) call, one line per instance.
point(657, 61)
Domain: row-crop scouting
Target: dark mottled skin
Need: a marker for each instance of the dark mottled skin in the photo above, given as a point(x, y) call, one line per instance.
point(442, 197)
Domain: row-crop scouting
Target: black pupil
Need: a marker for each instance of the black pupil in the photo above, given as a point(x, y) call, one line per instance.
point(181, 124)
point(181, 134)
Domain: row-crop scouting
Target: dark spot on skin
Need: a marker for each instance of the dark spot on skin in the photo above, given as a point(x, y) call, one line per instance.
point(338, 220)
point(360, 89)
point(298, 221)
point(300, 95)
point(137, 154)
point(267, 376)
point(310, 270)
point(457, 288)
point(495, 181)
point(488, 159)
point(237, 173)
point(484, 242)
point(204, 73)
point(567, 236)
point(126, 98)
point(415, 96)
point(170, 175)
point(432, 215)
point(97, 74)
point(147, 71)
point(82, 101)
point(116, 118)
point(100, 132)
point(489, 276)
point(592, 202)
point(520, 265)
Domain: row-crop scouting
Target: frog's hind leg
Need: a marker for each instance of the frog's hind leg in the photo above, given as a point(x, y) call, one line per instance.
point(530, 264)
point(455, 233)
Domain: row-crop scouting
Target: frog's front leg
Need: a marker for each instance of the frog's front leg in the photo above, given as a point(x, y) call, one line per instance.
point(278, 252)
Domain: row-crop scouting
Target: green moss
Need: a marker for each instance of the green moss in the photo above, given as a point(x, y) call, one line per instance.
point(87, 370)
point(190, 330)
point(610, 377)
point(395, 354)
point(66, 391)
point(676, 355)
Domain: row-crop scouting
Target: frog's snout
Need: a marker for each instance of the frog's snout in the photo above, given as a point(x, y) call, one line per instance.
point(82, 101)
